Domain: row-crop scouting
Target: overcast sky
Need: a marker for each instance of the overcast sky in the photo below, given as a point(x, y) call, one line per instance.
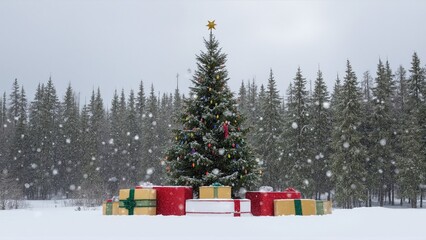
point(116, 44)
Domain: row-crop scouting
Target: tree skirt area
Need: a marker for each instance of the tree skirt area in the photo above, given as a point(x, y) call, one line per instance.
point(50, 221)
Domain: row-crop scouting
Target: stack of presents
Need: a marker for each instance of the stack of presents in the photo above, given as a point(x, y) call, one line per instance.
point(213, 200)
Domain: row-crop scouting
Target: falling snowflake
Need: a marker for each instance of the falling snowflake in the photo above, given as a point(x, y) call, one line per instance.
point(111, 141)
point(294, 125)
point(346, 145)
point(215, 171)
point(72, 187)
point(150, 150)
point(154, 123)
point(128, 133)
point(328, 173)
point(113, 179)
point(383, 142)
point(150, 115)
point(221, 151)
point(68, 140)
point(33, 165)
point(27, 185)
point(150, 171)
point(353, 186)
point(306, 182)
point(55, 171)
point(85, 175)
point(38, 149)
point(137, 137)
point(326, 105)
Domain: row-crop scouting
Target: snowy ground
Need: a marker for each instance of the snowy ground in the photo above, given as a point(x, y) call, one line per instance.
point(47, 220)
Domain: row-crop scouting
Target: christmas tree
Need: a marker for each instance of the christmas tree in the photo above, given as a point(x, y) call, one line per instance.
point(211, 147)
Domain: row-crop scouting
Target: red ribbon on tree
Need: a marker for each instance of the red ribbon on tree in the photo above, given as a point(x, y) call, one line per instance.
point(225, 129)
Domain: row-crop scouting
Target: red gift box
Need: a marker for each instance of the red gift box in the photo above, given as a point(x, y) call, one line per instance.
point(262, 203)
point(218, 207)
point(171, 199)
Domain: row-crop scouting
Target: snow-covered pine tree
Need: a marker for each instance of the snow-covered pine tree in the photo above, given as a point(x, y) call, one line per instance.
point(381, 150)
point(95, 147)
point(366, 128)
point(70, 143)
point(348, 153)
point(268, 146)
point(211, 147)
point(43, 138)
point(252, 108)
point(35, 138)
point(411, 161)
point(117, 153)
point(287, 142)
point(133, 142)
point(399, 113)
point(141, 115)
point(151, 150)
point(2, 135)
point(19, 148)
point(297, 136)
point(321, 136)
point(243, 99)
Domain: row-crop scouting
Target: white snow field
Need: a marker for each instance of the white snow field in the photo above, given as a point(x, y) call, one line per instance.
point(44, 221)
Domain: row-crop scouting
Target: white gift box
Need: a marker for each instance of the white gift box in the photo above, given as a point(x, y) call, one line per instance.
point(218, 207)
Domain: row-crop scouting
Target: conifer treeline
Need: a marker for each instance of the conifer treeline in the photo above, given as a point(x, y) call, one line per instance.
point(366, 140)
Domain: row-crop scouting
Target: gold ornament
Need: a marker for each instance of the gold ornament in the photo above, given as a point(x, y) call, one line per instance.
point(211, 25)
point(217, 77)
point(217, 116)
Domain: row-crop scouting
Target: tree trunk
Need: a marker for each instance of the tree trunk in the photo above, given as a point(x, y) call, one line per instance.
point(393, 194)
point(421, 198)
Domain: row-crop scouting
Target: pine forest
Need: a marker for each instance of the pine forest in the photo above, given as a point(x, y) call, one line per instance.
point(361, 142)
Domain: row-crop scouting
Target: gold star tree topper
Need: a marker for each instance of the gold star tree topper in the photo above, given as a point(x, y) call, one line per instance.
point(211, 25)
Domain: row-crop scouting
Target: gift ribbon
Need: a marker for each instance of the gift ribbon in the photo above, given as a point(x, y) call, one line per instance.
point(298, 207)
point(320, 207)
point(237, 208)
point(108, 208)
point(216, 189)
point(130, 203)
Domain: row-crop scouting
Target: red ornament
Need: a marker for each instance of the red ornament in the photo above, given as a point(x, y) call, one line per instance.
point(209, 145)
point(233, 145)
point(225, 129)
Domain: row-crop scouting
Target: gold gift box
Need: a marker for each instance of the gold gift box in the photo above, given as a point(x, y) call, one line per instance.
point(303, 207)
point(223, 192)
point(328, 207)
point(144, 200)
point(112, 211)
